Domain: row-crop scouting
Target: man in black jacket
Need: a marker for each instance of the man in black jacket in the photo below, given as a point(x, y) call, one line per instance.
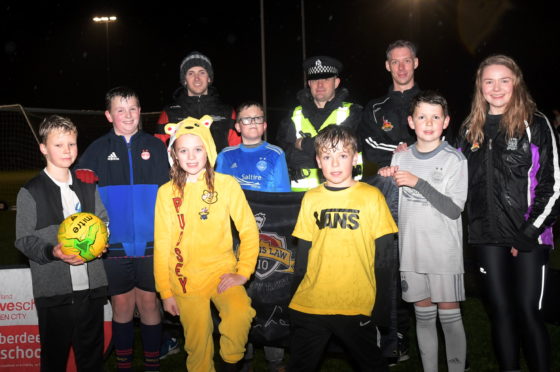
point(384, 123)
point(382, 131)
point(196, 98)
point(321, 104)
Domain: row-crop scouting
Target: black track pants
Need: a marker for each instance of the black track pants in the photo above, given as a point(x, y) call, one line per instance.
point(512, 289)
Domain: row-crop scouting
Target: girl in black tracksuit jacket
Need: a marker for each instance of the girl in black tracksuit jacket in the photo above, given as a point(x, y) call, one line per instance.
point(514, 187)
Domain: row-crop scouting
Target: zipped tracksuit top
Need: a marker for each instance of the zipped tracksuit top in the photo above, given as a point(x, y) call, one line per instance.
point(514, 185)
point(129, 177)
point(384, 125)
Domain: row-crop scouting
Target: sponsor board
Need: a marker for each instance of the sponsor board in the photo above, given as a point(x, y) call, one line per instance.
point(20, 348)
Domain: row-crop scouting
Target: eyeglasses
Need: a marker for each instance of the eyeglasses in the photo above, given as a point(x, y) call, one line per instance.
point(249, 120)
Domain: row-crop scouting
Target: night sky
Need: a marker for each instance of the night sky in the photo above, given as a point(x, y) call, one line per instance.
point(55, 56)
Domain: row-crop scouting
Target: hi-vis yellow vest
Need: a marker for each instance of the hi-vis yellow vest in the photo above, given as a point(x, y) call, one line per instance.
point(304, 128)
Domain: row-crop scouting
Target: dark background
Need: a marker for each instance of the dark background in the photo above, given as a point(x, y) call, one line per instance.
point(54, 56)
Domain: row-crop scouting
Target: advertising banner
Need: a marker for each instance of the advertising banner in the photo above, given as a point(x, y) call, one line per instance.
point(20, 348)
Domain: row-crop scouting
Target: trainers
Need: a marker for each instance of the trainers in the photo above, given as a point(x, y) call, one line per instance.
point(169, 347)
point(403, 356)
point(402, 349)
point(402, 346)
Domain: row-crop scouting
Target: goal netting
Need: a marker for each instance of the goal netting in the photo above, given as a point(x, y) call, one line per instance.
point(19, 148)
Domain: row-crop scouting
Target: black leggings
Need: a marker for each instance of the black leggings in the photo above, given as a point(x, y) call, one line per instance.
point(512, 288)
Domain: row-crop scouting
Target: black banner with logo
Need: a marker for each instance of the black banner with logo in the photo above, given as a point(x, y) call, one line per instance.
point(270, 287)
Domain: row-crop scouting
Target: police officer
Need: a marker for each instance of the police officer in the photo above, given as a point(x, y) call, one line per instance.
point(321, 104)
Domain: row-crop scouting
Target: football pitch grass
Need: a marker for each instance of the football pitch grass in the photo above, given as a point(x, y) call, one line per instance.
point(477, 328)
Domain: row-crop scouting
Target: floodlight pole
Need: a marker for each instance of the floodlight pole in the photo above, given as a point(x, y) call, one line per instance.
point(303, 46)
point(106, 20)
point(263, 63)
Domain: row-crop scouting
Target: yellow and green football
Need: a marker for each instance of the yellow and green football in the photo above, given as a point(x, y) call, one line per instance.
point(83, 234)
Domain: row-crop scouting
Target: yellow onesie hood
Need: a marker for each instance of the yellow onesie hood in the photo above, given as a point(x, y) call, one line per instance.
point(198, 127)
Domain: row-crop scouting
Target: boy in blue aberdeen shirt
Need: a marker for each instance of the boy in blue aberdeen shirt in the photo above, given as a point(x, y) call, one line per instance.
point(259, 166)
point(255, 164)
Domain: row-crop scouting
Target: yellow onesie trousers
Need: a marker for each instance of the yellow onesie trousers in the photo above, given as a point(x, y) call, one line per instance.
point(236, 315)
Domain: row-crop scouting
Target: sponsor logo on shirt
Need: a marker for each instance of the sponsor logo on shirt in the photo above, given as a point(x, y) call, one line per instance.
point(249, 180)
point(113, 157)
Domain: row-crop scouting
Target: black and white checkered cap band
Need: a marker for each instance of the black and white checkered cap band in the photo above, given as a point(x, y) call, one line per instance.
point(197, 56)
point(320, 69)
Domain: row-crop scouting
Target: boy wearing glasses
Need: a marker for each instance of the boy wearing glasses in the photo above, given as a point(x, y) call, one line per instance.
point(259, 166)
point(255, 164)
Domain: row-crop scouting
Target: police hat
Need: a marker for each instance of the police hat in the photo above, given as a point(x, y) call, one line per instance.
point(321, 67)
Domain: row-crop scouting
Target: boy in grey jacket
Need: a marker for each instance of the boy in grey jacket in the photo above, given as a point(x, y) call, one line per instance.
point(69, 294)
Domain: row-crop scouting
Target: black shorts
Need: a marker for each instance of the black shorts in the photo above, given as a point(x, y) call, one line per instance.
point(124, 274)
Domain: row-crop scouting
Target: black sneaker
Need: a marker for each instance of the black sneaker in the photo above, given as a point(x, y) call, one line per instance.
point(402, 346)
point(169, 347)
point(402, 350)
point(393, 361)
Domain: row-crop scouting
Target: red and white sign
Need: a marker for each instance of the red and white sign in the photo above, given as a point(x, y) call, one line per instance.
point(20, 348)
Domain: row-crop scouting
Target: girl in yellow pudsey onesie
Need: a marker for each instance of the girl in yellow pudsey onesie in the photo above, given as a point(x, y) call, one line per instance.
point(194, 262)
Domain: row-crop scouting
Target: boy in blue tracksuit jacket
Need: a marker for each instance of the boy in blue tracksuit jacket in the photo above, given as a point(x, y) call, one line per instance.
point(129, 166)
